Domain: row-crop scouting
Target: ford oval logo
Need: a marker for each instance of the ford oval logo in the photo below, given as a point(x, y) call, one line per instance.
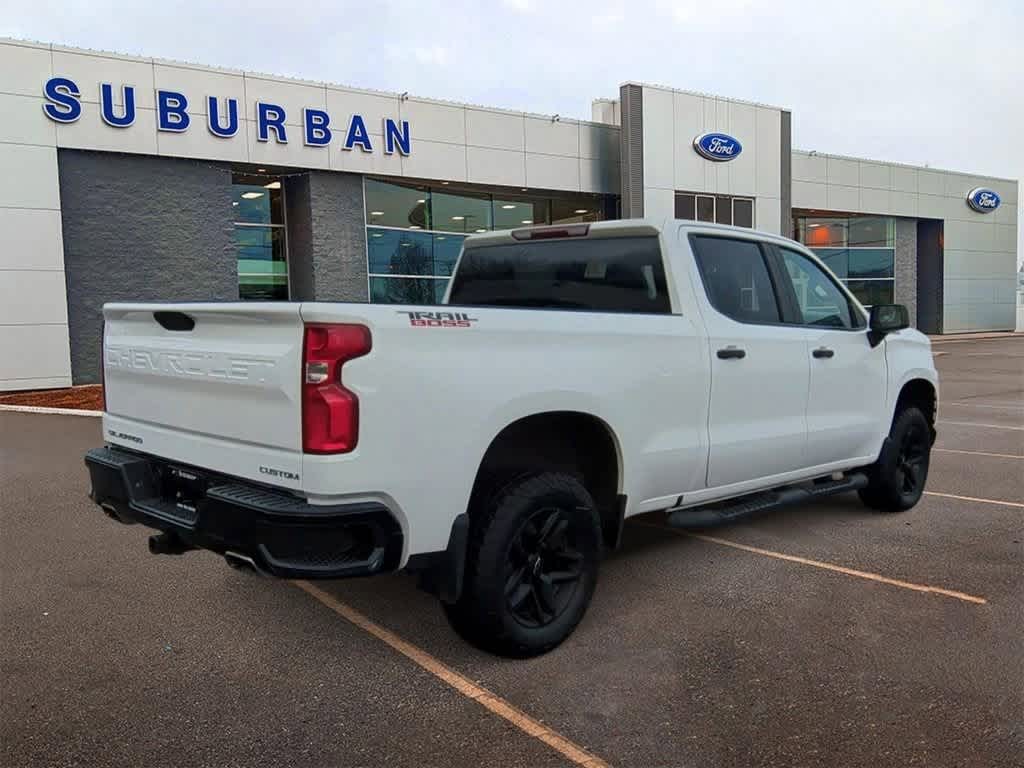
point(983, 200)
point(717, 146)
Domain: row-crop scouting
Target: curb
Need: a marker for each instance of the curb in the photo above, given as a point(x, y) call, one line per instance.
point(54, 411)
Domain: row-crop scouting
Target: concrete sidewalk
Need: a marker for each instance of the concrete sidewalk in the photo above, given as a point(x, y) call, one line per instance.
point(978, 335)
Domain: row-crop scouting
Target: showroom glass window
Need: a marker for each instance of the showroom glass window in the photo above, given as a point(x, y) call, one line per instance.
point(414, 232)
point(257, 203)
point(860, 250)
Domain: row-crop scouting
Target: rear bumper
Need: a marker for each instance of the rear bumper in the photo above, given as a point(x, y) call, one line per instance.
point(282, 534)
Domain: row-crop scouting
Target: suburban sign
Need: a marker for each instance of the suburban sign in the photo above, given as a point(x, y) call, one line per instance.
point(717, 146)
point(983, 200)
point(63, 105)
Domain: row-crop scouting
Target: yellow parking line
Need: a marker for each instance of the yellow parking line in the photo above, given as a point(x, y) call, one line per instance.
point(824, 566)
point(493, 703)
point(981, 453)
point(975, 498)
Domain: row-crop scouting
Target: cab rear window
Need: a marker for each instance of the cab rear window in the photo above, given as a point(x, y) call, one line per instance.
point(619, 274)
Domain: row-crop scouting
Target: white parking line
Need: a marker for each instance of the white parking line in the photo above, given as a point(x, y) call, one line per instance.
point(981, 453)
point(998, 502)
point(824, 566)
point(52, 411)
point(489, 701)
point(1014, 407)
point(980, 426)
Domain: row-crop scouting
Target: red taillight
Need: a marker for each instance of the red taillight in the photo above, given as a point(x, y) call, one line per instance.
point(548, 233)
point(330, 413)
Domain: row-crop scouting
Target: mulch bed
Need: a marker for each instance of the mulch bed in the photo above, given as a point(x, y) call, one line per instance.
point(88, 398)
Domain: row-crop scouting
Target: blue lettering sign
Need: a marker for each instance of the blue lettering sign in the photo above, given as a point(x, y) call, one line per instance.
point(170, 111)
point(717, 146)
point(63, 104)
point(127, 116)
point(317, 134)
point(357, 134)
point(62, 100)
point(393, 137)
point(213, 118)
point(270, 116)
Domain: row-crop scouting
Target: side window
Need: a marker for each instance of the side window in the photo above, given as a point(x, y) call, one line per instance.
point(820, 301)
point(736, 278)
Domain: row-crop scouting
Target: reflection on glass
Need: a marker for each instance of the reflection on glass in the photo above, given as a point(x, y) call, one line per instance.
point(446, 253)
point(398, 252)
point(262, 269)
point(397, 205)
point(685, 206)
point(466, 212)
point(872, 231)
point(871, 292)
point(723, 210)
point(705, 208)
point(572, 210)
point(836, 259)
point(512, 213)
point(255, 204)
point(872, 262)
point(404, 290)
point(743, 213)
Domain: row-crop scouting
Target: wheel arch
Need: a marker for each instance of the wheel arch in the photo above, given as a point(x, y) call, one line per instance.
point(576, 442)
point(921, 393)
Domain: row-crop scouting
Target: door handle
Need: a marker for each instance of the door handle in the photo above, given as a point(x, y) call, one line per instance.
point(731, 353)
point(823, 352)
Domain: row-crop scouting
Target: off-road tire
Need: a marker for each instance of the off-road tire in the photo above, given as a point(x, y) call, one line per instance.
point(897, 480)
point(504, 567)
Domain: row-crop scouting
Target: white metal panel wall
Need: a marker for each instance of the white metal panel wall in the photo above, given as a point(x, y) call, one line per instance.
point(671, 121)
point(34, 350)
point(980, 249)
point(450, 141)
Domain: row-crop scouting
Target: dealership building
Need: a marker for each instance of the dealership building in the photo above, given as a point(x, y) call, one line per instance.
point(131, 178)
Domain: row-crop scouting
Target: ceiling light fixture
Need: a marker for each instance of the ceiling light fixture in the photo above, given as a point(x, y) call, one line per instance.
point(414, 226)
point(527, 221)
point(458, 218)
point(422, 200)
point(376, 213)
point(261, 170)
point(581, 210)
point(272, 185)
point(508, 207)
point(481, 230)
point(251, 195)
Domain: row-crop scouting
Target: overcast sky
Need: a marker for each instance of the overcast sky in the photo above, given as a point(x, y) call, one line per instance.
point(939, 82)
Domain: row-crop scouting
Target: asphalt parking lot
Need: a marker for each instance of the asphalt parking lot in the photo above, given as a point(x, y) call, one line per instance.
point(819, 635)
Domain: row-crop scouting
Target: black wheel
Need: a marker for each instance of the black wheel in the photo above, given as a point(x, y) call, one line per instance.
point(531, 567)
point(897, 479)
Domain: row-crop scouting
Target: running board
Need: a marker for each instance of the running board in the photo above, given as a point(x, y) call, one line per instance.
point(725, 512)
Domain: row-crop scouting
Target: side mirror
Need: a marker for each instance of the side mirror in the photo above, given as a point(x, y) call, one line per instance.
point(886, 318)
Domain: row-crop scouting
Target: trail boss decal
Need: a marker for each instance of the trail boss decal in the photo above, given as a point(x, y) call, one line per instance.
point(439, 319)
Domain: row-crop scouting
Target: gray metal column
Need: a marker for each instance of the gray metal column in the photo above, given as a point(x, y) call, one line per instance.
point(631, 151)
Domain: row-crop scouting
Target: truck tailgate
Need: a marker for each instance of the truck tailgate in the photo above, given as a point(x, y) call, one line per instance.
point(184, 377)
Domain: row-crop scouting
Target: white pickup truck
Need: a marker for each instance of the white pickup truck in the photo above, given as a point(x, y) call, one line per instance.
point(578, 375)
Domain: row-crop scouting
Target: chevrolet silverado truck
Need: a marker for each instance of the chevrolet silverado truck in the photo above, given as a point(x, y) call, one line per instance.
point(573, 377)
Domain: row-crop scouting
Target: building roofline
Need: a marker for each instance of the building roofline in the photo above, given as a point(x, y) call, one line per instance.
point(816, 153)
point(138, 58)
point(704, 95)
